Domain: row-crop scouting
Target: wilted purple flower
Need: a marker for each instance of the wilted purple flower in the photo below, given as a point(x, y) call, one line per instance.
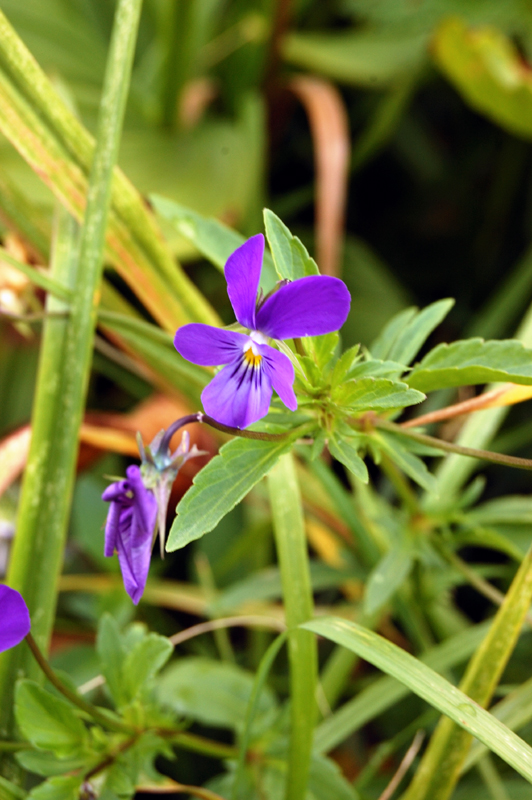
point(129, 529)
point(241, 392)
point(14, 618)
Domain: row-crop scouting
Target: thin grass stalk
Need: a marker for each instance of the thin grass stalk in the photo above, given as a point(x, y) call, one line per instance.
point(440, 767)
point(64, 370)
point(290, 539)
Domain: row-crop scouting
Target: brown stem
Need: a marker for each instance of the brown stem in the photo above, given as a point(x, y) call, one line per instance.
point(465, 407)
point(74, 697)
point(451, 447)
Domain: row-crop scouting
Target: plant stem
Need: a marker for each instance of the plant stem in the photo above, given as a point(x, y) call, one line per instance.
point(289, 530)
point(451, 447)
point(188, 741)
point(74, 697)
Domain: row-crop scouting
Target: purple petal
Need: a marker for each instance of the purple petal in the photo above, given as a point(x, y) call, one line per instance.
point(115, 491)
point(242, 273)
point(280, 371)
point(15, 621)
point(129, 529)
point(111, 529)
point(239, 395)
point(307, 307)
point(144, 502)
point(208, 346)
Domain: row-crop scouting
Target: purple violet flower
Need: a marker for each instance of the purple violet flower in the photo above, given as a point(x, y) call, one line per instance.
point(14, 618)
point(241, 392)
point(130, 528)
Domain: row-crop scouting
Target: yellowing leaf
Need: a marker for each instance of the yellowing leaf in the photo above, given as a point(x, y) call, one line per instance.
point(487, 70)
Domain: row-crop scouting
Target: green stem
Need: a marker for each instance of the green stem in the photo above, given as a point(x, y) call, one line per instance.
point(451, 447)
point(289, 530)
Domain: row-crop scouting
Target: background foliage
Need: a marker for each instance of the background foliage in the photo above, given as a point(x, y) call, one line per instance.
point(392, 139)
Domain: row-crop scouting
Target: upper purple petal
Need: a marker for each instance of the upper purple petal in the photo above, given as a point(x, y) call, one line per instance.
point(239, 395)
point(242, 273)
point(208, 346)
point(307, 307)
point(280, 371)
point(15, 621)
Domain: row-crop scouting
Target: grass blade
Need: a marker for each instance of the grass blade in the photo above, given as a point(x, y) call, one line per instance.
point(64, 372)
point(427, 684)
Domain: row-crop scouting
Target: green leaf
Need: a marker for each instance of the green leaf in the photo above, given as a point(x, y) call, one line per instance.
point(345, 451)
point(266, 585)
point(472, 361)
point(450, 742)
point(414, 467)
point(48, 721)
point(363, 58)
point(290, 255)
point(322, 348)
point(155, 348)
point(212, 692)
point(344, 365)
point(430, 686)
point(376, 293)
point(417, 330)
point(111, 654)
point(381, 347)
point(144, 661)
point(385, 692)
point(366, 394)
point(326, 781)
point(376, 369)
point(388, 576)
point(486, 68)
point(513, 509)
point(211, 237)
point(219, 486)
point(46, 764)
point(64, 787)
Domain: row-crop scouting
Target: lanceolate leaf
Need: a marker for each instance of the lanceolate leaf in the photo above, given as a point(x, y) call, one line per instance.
point(345, 452)
point(47, 721)
point(427, 684)
point(289, 254)
point(415, 333)
point(414, 467)
point(366, 394)
point(387, 576)
point(219, 486)
point(212, 238)
point(472, 361)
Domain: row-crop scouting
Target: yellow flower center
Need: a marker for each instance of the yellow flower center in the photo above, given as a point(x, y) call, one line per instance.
point(252, 358)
